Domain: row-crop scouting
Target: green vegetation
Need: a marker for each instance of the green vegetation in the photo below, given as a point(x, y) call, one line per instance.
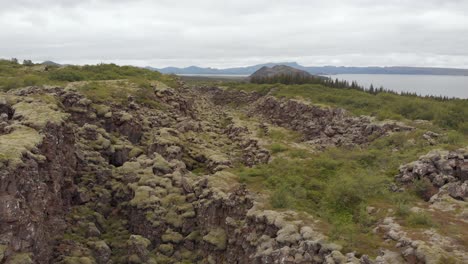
point(21, 140)
point(420, 220)
point(14, 75)
point(452, 114)
point(339, 183)
point(217, 237)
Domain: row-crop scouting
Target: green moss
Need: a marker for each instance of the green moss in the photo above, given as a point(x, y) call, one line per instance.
point(3, 248)
point(144, 197)
point(173, 200)
point(172, 237)
point(21, 258)
point(129, 167)
point(21, 140)
point(134, 259)
point(194, 236)
point(173, 218)
point(78, 260)
point(139, 241)
point(166, 249)
point(101, 110)
point(152, 180)
point(37, 114)
point(135, 152)
point(217, 237)
point(161, 164)
point(125, 117)
point(162, 259)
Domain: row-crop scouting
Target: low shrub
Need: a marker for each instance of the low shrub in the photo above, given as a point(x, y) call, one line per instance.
point(420, 219)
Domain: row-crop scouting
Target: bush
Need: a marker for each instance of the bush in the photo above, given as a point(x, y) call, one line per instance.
point(403, 210)
point(420, 220)
point(67, 75)
point(281, 198)
point(424, 188)
point(277, 148)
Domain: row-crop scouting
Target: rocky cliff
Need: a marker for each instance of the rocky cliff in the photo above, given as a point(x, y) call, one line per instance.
point(85, 180)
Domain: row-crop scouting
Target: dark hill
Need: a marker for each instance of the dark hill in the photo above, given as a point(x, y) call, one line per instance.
point(283, 74)
point(267, 72)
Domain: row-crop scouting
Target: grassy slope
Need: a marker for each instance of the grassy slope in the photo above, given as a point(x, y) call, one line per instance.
point(338, 184)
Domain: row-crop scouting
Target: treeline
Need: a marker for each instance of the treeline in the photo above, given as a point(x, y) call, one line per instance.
point(289, 78)
point(298, 78)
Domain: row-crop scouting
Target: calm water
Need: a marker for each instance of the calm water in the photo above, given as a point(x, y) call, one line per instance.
point(451, 86)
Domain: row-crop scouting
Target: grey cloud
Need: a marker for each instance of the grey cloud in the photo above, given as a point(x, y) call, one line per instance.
point(232, 33)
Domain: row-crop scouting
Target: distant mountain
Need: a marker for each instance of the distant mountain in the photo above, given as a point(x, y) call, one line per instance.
point(321, 70)
point(50, 63)
point(268, 72)
point(238, 70)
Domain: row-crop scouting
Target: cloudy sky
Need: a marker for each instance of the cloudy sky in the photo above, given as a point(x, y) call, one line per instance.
point(237, 32)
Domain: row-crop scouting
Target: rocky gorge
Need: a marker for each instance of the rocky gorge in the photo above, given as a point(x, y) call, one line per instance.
point(86, 180)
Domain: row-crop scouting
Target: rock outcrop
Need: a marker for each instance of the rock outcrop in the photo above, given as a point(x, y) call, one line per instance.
point(320, 126)
point(445, 170)
point(37, 167)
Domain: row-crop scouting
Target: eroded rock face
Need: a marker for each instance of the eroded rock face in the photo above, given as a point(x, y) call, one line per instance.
point(322, 127)
point(445, 170)
point(36, 194)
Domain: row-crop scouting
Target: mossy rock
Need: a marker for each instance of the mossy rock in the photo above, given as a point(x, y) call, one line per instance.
point(37, 114)
point(3, 248)
point(161, 165)
point(188, 256)
point(21, 258)
point(125, 117)
point(21, 140)
point(194, 236)
point(135, 152)
point(149, 179)
point(162, 259)
point(153, 218)
point(134, 259)
point(217, 237)
point(173, 199)
point(144, 197)
point(166, 249)
point(172, 236)
point(173, 218)
point(129, 167)
point(101, 110)
point(139, 240)
point(78, 260)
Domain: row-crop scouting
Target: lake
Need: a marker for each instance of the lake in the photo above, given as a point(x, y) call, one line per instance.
point(451, 86)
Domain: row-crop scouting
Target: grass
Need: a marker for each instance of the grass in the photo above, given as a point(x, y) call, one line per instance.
point(13, 75)
point(338, 184)
point(420, 219)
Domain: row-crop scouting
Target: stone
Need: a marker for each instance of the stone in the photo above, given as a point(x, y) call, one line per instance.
point(92, 230)
point(102, 252)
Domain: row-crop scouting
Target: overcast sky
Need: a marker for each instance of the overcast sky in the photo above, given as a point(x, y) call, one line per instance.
point(239, 32)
